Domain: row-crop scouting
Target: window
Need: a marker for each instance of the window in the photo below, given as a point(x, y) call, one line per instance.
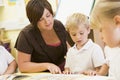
point(67, 7)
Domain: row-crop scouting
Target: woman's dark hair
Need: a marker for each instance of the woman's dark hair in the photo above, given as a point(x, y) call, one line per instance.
point(35, 9)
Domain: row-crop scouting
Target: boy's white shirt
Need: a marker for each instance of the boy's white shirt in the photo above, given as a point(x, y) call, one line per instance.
point(87, 58)
point(113, 59)
point(5, 59)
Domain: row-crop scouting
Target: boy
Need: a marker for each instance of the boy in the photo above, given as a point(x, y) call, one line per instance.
point(85, 56)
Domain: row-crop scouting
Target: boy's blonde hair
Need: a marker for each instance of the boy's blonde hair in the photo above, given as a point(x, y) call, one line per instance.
point(75, 20)
point(104, 9)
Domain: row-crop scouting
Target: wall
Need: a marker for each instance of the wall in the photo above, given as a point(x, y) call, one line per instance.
point(12, 35)
point(12, 18)
point(68, 7)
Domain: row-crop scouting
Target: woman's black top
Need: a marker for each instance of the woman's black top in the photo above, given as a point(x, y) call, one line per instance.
point(31, 42)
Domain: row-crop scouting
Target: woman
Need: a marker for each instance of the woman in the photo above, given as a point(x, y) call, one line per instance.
point(42, 44)
point(106, 17)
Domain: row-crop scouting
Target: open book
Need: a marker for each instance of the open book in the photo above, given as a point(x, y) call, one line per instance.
point(48, 76)
point(13, 77)
point(67, 77)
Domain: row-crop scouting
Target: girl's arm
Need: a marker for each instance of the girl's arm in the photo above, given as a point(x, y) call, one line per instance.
point(103, 70)
point(11, 68)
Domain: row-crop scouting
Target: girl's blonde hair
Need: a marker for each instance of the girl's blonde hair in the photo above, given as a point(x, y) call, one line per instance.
point(75, 20)
point(104, 9)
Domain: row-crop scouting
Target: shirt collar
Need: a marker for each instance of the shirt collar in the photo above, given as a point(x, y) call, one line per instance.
point(86, 46)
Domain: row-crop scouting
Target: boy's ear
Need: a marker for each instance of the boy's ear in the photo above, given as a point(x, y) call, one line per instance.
point(117, 19)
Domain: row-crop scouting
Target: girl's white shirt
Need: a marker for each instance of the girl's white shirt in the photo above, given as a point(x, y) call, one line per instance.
point(113, 60)
point(5, 59)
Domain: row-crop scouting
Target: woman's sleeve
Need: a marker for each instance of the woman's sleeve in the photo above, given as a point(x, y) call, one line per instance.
point(23, 43)
point(69, 40)
point(67, 36)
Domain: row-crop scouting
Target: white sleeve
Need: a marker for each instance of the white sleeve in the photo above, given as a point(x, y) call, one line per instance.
point(98, 56)
point(7, 55)
point(67, 62)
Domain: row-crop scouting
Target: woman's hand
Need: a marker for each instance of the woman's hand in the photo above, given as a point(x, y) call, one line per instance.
point(53, 68)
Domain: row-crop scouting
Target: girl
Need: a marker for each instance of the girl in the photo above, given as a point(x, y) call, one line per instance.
point(106, 17)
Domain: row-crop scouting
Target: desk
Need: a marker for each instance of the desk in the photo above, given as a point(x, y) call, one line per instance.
point(48, 76)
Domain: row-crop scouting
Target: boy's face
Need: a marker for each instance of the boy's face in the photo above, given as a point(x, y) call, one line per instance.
point(110, 33)
point(79, 35)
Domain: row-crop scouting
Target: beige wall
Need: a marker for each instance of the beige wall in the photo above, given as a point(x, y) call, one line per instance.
point(8, 14)
point(12, 36)
point(8, 11)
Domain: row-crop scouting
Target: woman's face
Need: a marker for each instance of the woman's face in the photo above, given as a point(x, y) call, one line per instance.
point(46, 21)
point(110, 32)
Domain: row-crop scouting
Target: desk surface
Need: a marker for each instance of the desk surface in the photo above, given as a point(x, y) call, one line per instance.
point(48, 76)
